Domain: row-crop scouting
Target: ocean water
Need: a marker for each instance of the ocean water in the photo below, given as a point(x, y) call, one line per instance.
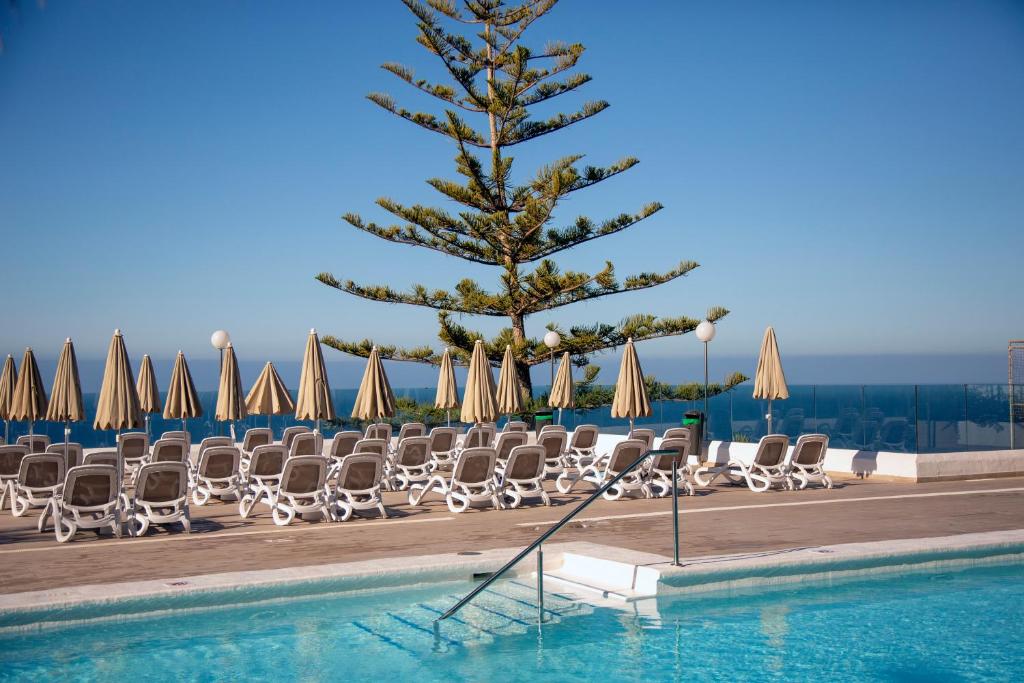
point(955, 625)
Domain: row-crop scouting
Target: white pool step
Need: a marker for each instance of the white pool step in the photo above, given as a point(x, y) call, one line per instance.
point(604, 578)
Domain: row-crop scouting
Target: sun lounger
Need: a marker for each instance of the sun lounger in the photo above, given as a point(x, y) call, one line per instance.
point(506, 442)
point(306, 443)
point(183, 436)
point(523, 476)
point(553, 442)
point(412, 429)
point(378, 431)
point(40, 479)
point(261, 481)
point(89, 501)
point(516, 426)
point(289, 433)
point(101, 458)
point(256, 436)
point(10, 466)
point(599, 473)
point(768, 468)
point(169, 450)
point(412, 464)
point(472, 481)
point(161, 497)
point(344, 443)
point(134, 449)
point(643, 434)
point(443, 447)
point(552, 428)
point(357, 485)
point(302, 489)
point(582, 448)
point(217, 474)
point(807, 463)
point(660, 473)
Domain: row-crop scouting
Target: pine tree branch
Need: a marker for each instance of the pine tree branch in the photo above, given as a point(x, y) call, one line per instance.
point(429, 121)
point(410, 234)
point(444, 93)
point(467, 298)
point(529, 130)
point(556, 240)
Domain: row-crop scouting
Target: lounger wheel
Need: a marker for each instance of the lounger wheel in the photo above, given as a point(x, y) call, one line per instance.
point(283, 515)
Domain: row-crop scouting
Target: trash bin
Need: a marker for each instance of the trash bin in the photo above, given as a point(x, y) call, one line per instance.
point(541, 419)
point(694, 421)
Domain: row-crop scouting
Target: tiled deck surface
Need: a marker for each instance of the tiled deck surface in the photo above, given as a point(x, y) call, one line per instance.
point(719, 520)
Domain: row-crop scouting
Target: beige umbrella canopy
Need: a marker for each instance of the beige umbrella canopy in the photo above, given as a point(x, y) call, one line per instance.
point(479, 404)
point(447, 390)
point(315, 402)
point(149, 394)
point(182, 400)
point(66, 394)
point(630, 391)
point(510, 391)
point(770, 380)
point(375, 398)
point(230, 404)
point(8, 378)
point(118, 403)
point(562, 395)
point(269, 396)
point(29, 400)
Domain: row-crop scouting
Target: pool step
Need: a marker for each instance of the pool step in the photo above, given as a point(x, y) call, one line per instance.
point(507, 608)
point(605, 579)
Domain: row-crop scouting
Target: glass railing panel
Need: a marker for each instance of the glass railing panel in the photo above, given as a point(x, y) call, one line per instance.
point(839, 413)
point(988, 416)
point(941, 418)
point(889, 418)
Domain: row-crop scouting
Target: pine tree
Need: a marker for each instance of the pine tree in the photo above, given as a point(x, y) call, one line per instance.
point(496, 79)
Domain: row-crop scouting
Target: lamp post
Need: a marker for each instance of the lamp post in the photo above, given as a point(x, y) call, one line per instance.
point(705, 333)
point(220, 340)
point(552, 340)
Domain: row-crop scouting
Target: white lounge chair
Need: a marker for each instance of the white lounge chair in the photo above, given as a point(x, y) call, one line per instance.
point(412, 429)
point(807, 462)
point(522, 476)
point(343, 443)
point(10, 466)
point(506, 442)
point(357, 486)
point(660, 472)
point(306, 443)
point(36, 443)
point(376, 446)
point(256, 436)
point(515, 426)
point(472, 481)
point(217, 474)
point(261, 480)
point(89, 501)
point(768, 468)
point(553, 442)
point(302, 489)
point(169, 450)
point(289, 433)
point(643, 434)
point(443, 446)
point(74, 453)
point(582, 448)
point(40, 479)
point(378, 431)
point(134, 450)
point(184, 436)
point(599, 473)
point(161, 497)
point(412, 463)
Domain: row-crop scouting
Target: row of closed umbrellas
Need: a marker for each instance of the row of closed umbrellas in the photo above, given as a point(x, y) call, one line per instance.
point(123, 402)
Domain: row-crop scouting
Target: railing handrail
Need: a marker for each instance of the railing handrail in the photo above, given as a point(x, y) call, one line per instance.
point(550, 532)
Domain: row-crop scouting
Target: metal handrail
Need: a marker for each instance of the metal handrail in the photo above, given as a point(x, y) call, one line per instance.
point(546, 535)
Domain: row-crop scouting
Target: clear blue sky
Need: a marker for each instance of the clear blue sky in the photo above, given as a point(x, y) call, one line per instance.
point(849, 172)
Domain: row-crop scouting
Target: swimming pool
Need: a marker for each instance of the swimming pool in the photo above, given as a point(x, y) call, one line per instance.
point(955, 624)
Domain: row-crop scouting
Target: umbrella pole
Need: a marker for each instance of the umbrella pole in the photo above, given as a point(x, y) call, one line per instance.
point(30, 422)
point(231, 428)
point(630, 424)
point(147, 428)
point(7, 431)
point(769, 416)
point(559, 416)
point(448, 417)
point(67, 437)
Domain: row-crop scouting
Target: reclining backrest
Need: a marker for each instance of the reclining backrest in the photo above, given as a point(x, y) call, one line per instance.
point(625, 453)
point(810, 449)
point(134, 445)
point(584, 437)
point(516, 426)
point(219, 462)
point(307, 443)
point(41, 470)
point(212, 442)
point(442, 439)
point(360, 472)
point(289, 433)
point(101, 458)
point(162, 482)
point(507, 441)
point(378, 431)
point(10, 459)
point(771, 450)
point(643, 434)
point(475, 466)
point(257, 436)
point(552, 428)
point(74, 453)
point(474, 438)
point(553, 443)
point(304, 474)
point(91, 486)
point(344, 443)
point(682, 448)
point(490, 433)
point(412, 429)
point(676, 433)
point(36, 443)
point(413, 451)
point(186, 437)
point(169, 450)
point(267, 460)
point(376, 446)
point(525, 462)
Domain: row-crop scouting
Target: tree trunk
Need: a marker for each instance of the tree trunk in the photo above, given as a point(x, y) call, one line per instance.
point(522, 369)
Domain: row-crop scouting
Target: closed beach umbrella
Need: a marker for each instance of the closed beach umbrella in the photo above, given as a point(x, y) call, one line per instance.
point(374, 399)
point(562, 395)
point(510, 391)
point(315, 402)
point(29, 402)
point(770, 380)
point(230, 402)
point(8, 378)
point(630, 399)
point(66, 394)
point(447, 390)
point(182, 400)
point(269, 396)
point(149, 393)
point(478, 403)
point(118, 404)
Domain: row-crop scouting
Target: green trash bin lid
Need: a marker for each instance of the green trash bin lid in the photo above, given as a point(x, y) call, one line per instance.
point(691, 420)
point(541, 417)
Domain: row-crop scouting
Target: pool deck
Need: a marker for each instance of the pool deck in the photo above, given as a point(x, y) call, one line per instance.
point(719, 520)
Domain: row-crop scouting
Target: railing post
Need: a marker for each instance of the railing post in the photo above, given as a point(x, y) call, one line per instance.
point(675, 511)
point(540, 584)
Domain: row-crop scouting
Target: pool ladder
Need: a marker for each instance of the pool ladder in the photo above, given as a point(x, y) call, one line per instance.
point(537, 545)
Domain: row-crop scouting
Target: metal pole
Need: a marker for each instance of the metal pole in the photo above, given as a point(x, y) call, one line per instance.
point(705, 381)
point(540, 584)
point(675, 511)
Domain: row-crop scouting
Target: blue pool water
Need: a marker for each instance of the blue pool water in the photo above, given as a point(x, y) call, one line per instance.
point(962, 624)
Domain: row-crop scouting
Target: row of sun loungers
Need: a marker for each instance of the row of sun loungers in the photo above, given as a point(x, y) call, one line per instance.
point(296, 476)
